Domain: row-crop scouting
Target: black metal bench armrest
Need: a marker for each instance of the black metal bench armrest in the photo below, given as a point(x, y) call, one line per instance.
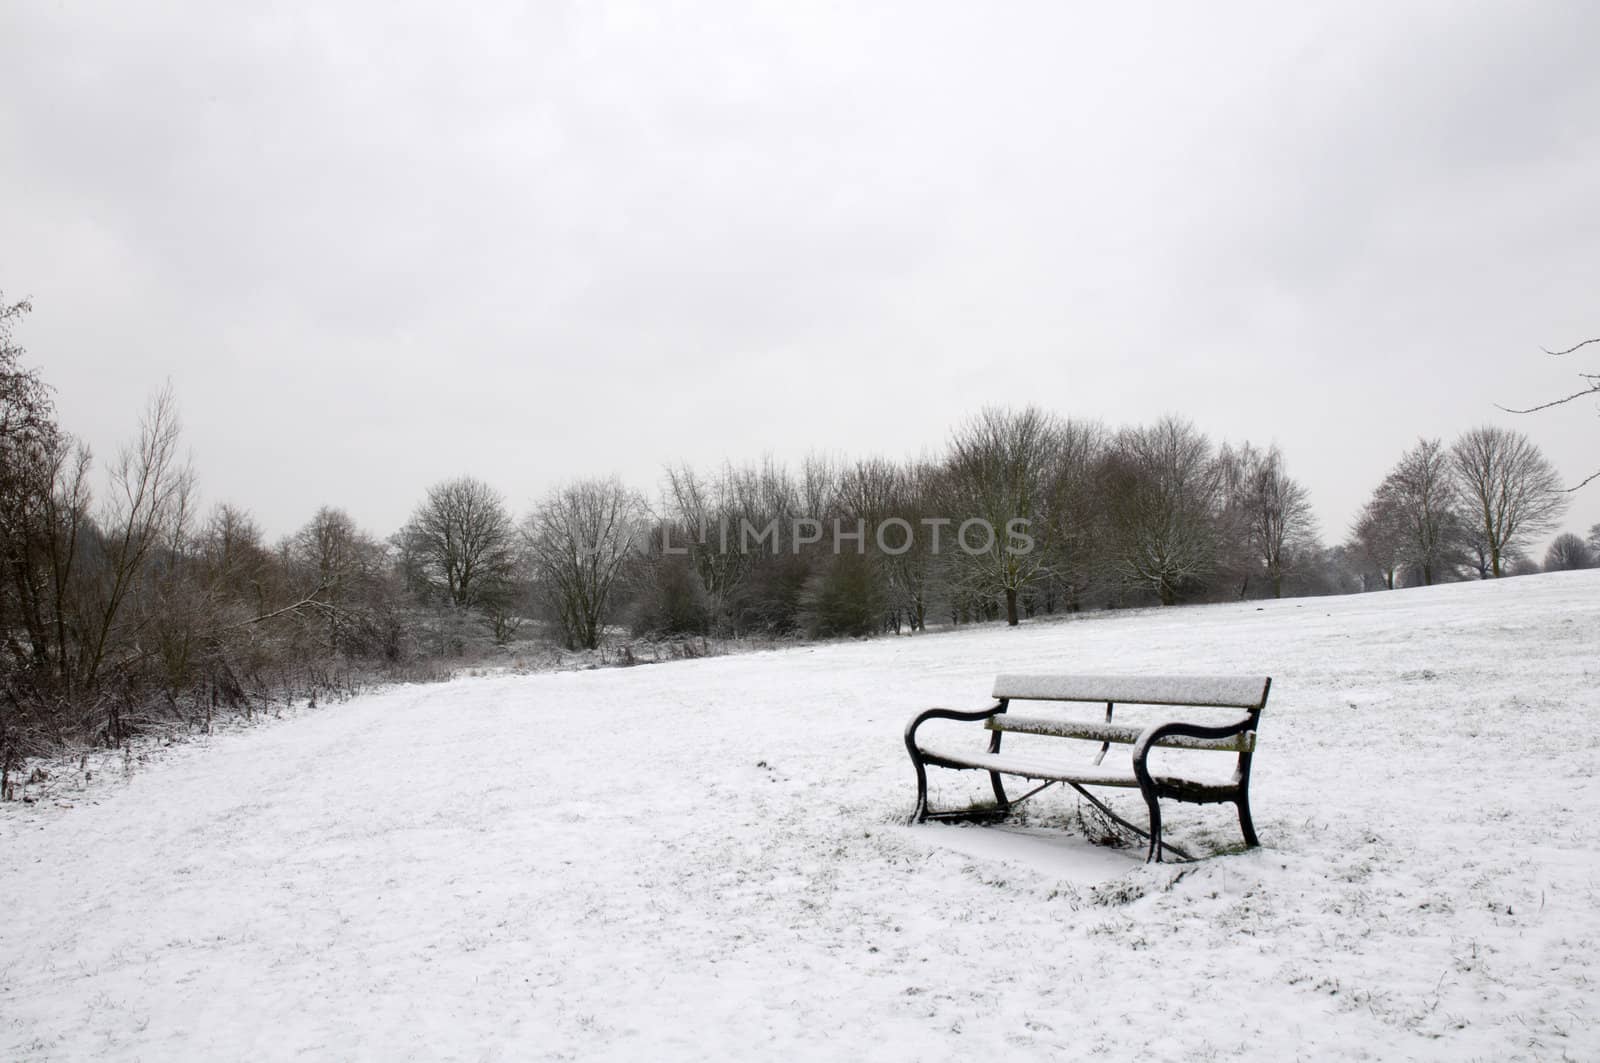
point(1180, 729)
point(945, 714)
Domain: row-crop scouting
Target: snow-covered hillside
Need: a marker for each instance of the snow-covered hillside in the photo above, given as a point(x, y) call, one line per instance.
point(709, 859)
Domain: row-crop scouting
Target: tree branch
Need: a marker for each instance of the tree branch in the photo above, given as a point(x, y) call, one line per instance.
point(1585, 483)
point(308, 600)
point(1569, 350)
point(1590, 390)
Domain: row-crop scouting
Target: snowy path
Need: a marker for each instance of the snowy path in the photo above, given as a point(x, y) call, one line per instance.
point(705, 859)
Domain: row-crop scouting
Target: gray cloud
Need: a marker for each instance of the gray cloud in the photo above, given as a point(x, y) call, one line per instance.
point(376, 247)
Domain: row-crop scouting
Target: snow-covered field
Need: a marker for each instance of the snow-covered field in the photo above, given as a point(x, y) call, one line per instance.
point(708, 859)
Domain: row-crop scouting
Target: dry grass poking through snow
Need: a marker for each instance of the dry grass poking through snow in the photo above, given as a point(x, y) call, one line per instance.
point(707, 859)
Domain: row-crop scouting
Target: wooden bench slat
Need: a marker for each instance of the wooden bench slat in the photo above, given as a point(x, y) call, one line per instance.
point(1098, 731)
point(1220, 691)
point(1031, 767)
point(1045, 769)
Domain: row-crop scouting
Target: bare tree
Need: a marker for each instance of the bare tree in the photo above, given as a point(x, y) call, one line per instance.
point(1282, 524)
point(1161, 489)
point(44, 517)
point(28, 430)
point(1509, 491)
point(1421, 495)
point(998, 474)
point(768, 499)
point(460, 545)
point(910, 571)
point(340, 565)
point(1568, 552)
point(1266, 511)
point(869, 493)
point(232, 552)
point(818, 489)
point(887, 502)
point(703, 519)
point(147, 508)
point(34, 629)
point(578, 539)
point(1070, 535)
point(1379, 539)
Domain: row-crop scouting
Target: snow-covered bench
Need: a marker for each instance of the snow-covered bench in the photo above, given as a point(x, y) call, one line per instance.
point(1203, 692)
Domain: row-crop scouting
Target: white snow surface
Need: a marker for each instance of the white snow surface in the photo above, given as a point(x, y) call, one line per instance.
point(708, 859)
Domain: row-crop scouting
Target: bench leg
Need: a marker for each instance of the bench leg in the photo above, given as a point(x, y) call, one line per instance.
point(1153, 856)
point(1245, 823)
point(920, 813)
point(999, 790)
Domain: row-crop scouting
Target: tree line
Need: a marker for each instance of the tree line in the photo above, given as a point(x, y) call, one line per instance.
point(127, 606)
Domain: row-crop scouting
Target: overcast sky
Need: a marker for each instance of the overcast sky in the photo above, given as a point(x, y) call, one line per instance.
point(384, 244)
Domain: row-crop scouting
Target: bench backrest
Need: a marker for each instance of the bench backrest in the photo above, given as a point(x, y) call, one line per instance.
point(1206, 691)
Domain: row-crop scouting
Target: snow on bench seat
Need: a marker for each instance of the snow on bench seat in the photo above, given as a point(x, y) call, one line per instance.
point(1233, 692)
point(1047, 769)
point(1097, 731)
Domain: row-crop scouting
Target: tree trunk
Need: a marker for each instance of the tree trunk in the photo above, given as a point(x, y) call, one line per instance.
point(1011, 606)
